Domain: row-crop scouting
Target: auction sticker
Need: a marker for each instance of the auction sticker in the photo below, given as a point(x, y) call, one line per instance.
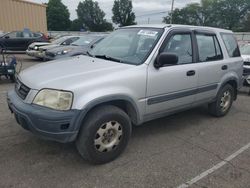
point(148, 33)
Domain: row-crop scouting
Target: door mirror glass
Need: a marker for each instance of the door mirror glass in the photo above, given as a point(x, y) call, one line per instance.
point(166, 59)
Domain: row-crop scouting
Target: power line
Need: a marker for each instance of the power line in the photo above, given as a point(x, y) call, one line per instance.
point(150, 14)
point(172, 10)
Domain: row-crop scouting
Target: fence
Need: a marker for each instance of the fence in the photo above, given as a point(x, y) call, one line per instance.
point(242, 36)
point(60, 33)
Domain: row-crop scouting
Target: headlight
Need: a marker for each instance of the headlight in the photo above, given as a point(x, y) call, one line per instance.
point(63, 52)
point(35, 48)
point(55, 99)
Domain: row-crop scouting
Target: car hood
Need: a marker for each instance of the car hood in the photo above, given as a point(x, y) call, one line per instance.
point(50, 46)
point(39, 44)
point(69, 73)
point(62, 48)
point(246, 58)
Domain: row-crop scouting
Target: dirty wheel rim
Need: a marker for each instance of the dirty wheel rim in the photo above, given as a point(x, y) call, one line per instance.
point(108, 136)
point(225, 101)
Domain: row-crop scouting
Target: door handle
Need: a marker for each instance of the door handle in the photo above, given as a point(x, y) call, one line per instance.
point(224, 67)
point(191, 73)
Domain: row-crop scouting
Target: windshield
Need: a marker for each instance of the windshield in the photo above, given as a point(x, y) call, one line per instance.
point(59, 40)
point(245, 49)
point(84, 40)
point(129, 45)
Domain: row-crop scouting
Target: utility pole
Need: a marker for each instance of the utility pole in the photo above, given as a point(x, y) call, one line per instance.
point(172, 11)
point(148, 20)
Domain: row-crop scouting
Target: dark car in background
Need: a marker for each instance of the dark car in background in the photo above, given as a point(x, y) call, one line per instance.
point(78, 47)
point(20, 40)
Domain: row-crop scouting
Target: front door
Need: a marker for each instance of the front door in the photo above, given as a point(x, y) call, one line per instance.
point(173, 87)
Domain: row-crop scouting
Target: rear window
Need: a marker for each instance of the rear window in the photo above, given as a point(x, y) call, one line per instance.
point(209, 49)
point(231, 45)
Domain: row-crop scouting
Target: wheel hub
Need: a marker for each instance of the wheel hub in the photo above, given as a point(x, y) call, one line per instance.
point(225, 101)
point(108, 136)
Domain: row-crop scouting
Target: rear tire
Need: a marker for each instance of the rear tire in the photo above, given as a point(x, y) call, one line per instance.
point(223, 103)
point(12, 78)
point(104, 134)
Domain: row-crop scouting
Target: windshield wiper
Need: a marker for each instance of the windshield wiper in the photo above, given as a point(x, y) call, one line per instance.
point(108, 58)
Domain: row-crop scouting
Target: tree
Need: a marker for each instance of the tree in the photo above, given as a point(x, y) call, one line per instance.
point(76, 25)
point(90, 14)
point(228, 14)
point(122, 13)
point(189, 15)
point(247, 24)
point(231, 14)
point(194, 14)
point(57, 16)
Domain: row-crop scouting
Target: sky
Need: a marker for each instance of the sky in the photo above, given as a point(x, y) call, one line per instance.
point(146, 11)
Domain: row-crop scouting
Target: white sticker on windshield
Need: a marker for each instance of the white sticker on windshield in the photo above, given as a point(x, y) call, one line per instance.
point(148, 33)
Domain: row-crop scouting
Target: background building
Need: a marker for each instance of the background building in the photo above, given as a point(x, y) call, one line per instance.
point(20, 14)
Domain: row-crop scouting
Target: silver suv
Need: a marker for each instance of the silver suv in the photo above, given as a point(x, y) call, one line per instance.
point(134, 75)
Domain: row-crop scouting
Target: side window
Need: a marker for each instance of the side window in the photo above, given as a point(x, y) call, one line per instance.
point(231, 45)
point(209, 48)
point(12, 35)
point(27, 35)
point(181, 45)
point(67, 42)
point(74, 39)
point(19, 34)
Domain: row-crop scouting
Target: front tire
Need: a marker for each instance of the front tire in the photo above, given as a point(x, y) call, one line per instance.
point(104, 134)
point(223, 103)
point(12, 78)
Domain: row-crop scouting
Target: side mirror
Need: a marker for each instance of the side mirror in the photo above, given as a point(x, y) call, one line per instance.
point(165, 59)
point(7, 37)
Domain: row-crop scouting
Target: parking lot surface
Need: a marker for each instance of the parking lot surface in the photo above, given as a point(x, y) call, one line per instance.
point(187, 149)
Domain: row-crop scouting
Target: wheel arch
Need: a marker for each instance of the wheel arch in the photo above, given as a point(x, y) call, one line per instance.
point(234, 83)
point(123, 102)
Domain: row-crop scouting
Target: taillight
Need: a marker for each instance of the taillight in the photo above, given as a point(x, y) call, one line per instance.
point(45, 37)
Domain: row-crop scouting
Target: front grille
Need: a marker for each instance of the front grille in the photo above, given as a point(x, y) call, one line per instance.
point(49, 54)
point(247, 63)
point(21, 89)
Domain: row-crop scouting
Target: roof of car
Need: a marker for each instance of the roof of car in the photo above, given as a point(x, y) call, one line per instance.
point(163, 26)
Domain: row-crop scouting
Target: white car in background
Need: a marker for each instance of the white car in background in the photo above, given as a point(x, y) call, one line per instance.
point(36, 50)
point(245, 53)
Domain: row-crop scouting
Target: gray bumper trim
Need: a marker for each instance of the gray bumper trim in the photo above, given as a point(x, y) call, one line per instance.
point(60, 126)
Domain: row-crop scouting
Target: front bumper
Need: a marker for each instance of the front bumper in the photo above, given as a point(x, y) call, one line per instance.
point(246, 70)
point(34, 53)
point(246, 75)
point(60, 126)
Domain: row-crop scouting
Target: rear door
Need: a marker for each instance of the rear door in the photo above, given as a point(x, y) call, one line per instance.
point(27, 39)
point(211, 65)
point(173, 87)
